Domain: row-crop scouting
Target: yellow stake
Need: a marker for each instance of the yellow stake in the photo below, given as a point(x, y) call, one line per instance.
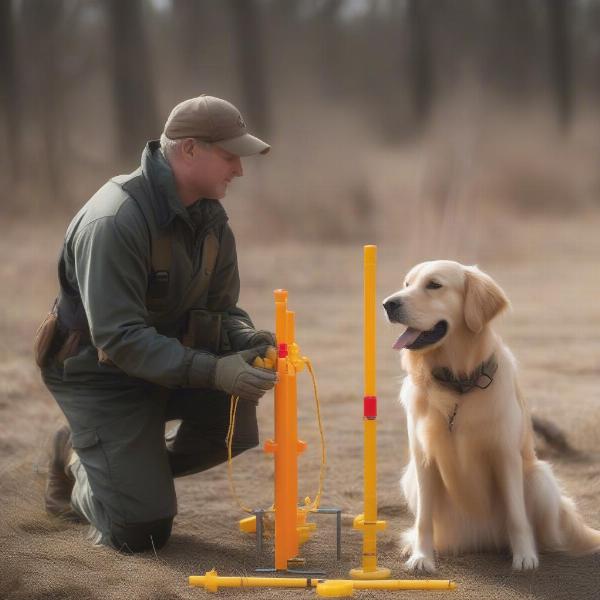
point(367, 522)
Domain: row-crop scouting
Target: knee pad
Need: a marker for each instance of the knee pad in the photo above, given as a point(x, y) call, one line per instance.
point(138, 537)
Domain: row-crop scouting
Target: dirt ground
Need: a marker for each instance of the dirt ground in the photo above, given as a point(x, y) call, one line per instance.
point(548, 267)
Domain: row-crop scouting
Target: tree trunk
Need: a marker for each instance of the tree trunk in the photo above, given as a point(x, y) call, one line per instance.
point(421, 72)
point(42, 28)
point(189, 19)
point(251, 63)
point(9, 90)
point(136, 113)
point(560, 33)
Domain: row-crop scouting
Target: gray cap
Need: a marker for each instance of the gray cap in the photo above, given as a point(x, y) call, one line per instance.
point(215, 121)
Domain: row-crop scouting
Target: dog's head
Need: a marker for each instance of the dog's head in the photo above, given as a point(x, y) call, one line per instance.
point(440, 297)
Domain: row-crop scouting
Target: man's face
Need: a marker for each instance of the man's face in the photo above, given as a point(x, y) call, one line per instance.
point(210, 169)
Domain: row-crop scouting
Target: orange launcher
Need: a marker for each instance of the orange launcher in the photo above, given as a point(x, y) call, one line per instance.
point(286, 446)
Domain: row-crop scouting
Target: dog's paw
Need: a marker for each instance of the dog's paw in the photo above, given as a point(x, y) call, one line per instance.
point(420, 562)
point(525, 561)
point(407, 542)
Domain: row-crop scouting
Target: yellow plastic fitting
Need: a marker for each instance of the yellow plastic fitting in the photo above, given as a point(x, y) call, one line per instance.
point(248, 525)
point(304, 528)
point(359, 523)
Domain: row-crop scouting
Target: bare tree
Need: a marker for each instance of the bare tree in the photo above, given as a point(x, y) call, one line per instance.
point(248, 27)
point(511, 48)
point(43, 31)
point(421, 72)
point(133, 90)
point(560, 13)
point(189, 20)
point(9, 90)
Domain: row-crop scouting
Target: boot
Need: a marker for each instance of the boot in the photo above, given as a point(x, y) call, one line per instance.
point(60, 479)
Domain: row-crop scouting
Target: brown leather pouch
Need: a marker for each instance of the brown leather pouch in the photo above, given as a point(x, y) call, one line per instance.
point(45, 341)
point(70, 346)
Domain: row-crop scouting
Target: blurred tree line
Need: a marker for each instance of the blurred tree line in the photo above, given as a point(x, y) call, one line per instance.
point(86, 82)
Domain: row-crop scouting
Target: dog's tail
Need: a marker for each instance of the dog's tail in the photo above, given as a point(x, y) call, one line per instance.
point(559, 527)
point(578, 537)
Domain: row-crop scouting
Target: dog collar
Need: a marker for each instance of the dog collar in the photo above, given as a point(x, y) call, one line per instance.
point(480, 378)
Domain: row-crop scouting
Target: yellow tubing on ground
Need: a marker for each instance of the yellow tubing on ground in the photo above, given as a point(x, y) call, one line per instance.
point(335, 588)
point(212, 581)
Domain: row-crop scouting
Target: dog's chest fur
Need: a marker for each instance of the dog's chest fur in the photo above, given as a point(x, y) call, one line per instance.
point(464, 453)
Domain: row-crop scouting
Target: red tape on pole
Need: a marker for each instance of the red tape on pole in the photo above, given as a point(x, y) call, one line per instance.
point(370, 407)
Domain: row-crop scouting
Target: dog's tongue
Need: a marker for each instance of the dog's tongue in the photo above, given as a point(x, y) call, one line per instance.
point(407, 338)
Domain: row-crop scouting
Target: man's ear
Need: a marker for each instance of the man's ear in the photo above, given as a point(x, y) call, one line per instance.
point(484, 299)
point(187, 148)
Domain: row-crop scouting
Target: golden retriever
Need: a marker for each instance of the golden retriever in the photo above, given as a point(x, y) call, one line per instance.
point(473, 481)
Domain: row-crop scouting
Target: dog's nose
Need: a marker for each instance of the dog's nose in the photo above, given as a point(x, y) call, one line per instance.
point(391, 306)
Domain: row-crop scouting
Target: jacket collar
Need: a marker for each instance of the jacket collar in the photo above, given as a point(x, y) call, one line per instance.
point(480, 378)
point(164, 198)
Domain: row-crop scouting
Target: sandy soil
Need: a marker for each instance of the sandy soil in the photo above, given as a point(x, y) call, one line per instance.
point(549, 269)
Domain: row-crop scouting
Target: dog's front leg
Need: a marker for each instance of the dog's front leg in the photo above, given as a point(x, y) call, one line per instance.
point(520, 533)
point(422, 557)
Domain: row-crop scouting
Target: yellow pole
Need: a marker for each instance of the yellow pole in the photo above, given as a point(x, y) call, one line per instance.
point(367, 522)
point(211, 582)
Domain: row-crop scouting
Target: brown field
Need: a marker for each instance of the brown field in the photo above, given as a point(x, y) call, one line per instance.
point(548, 267)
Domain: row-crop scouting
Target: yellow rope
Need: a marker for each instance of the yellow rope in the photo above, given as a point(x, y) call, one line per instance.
point(315, 505)
point(233, 404)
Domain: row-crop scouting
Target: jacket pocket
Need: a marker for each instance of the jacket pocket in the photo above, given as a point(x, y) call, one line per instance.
point(84, 439)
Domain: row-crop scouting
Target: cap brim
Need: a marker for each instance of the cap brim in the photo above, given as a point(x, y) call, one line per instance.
point(244, 145)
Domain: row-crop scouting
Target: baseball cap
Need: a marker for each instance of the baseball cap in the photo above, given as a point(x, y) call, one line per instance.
point(215, 121)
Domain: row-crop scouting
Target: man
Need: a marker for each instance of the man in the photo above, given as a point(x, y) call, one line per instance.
point(146, 329)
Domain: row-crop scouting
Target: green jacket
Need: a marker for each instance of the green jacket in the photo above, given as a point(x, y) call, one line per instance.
point(107, 265)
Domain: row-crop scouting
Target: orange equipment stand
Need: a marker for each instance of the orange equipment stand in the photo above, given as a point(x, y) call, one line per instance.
point(286, 447)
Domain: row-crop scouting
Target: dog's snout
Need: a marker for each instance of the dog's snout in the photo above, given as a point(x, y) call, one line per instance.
point(392, 306)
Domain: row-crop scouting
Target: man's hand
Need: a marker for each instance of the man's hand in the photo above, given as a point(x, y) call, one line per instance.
point(261, 337)
point(235, 375)
point(242, 336)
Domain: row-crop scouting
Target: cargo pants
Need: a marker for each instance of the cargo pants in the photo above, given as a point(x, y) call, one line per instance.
point(125, 463)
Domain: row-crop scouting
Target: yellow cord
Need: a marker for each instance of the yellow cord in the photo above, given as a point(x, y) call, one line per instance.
point(315, 505)
point(233, 404)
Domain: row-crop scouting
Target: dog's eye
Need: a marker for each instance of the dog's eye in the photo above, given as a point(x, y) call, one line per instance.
point(406, 284)
point(434, 285)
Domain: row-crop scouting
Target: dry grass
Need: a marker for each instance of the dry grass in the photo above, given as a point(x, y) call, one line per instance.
point(548, 267)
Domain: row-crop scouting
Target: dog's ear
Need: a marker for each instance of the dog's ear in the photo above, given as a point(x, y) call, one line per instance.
point(484, 299)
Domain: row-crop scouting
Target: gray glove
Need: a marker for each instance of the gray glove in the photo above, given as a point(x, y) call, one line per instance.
point(260, 338)
point(242, 336)
point(235, 375)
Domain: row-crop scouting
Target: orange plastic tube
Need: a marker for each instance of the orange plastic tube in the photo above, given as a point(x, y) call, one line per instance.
point(285, 447)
